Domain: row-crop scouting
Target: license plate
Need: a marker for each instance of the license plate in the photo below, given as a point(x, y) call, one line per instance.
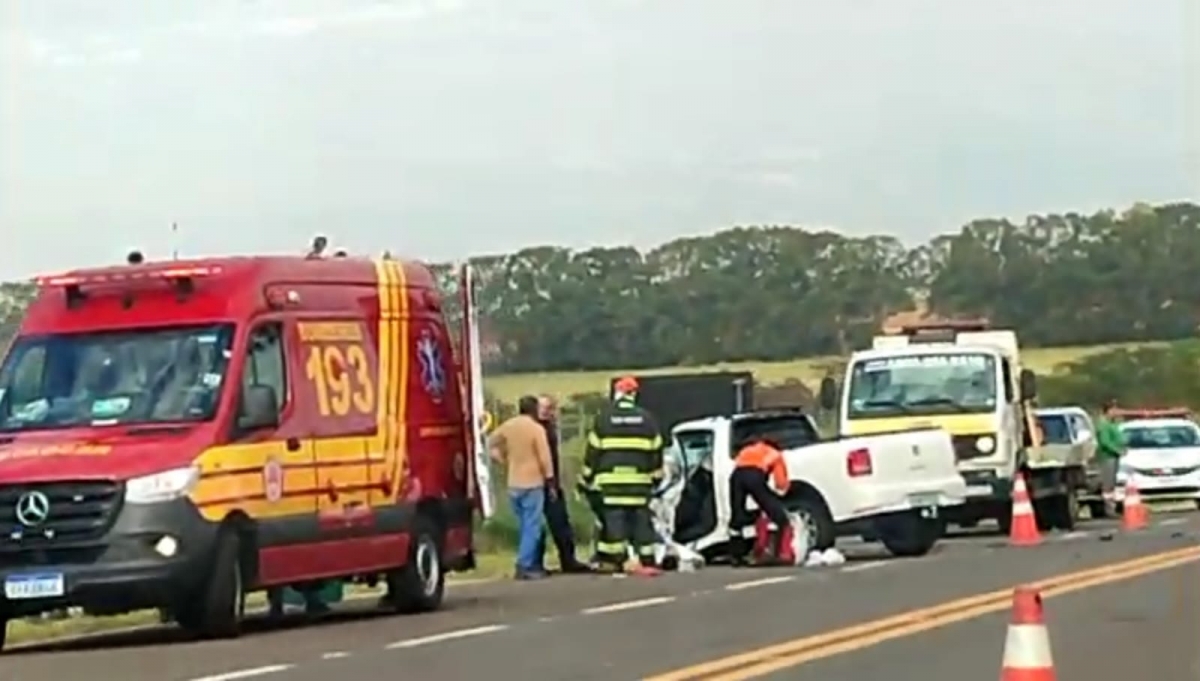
point(24, 587)
point(925, 500)
point(979, 490)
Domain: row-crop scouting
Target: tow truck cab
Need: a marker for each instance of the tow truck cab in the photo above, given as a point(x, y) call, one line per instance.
point(966, 378)
point(174, 435)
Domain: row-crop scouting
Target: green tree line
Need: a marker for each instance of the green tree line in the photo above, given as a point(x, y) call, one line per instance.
point(774, 293)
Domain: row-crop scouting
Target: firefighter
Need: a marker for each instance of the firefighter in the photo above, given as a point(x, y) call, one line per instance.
point(758, 463)
point(623, 462)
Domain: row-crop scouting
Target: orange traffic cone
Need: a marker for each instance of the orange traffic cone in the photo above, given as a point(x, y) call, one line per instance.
point(1024, 531)
point(1135, 515)
point(1027, 646)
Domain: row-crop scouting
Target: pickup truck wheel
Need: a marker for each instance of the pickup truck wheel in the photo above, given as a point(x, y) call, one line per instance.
point(822, 533)
point(420, 584)
point(910, 535)
point(221, 606)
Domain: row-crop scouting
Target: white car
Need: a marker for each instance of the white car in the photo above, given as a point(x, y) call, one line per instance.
point(1162, 458)
point(892, 487)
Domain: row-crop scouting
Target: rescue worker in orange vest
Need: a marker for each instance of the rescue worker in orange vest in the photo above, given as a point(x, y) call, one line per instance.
point(757, 464)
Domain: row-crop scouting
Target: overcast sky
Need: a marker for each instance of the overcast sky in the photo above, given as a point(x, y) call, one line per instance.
point(446, 128)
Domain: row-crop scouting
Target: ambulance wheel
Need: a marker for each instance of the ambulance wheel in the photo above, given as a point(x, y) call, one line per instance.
point(814, 515)
point(221, 606)
point(420, 584)
point(910, 535)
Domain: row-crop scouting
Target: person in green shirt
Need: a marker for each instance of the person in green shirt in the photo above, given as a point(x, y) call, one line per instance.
point(1110, 447)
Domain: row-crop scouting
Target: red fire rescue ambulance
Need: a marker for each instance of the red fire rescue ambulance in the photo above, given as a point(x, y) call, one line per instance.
point(175, 435)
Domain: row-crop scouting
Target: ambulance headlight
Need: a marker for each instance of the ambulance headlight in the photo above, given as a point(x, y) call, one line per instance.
point(985, 444)
point(164, 486)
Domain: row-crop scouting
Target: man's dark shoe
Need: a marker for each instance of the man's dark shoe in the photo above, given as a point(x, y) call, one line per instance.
point(576, 568)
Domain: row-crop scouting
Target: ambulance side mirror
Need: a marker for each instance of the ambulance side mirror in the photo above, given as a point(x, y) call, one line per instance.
point(829, 393)
point(259, 408)
point(1028, 385)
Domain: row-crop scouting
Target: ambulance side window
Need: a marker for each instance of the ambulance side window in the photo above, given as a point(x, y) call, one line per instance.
point(265, 362)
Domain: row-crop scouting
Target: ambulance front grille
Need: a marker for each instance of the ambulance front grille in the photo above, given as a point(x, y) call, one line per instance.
point(75, 511)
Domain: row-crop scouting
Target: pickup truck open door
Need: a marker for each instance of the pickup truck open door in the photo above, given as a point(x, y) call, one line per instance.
point(474, 408)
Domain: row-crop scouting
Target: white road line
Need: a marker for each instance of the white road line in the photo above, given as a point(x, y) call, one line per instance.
point(335, 655)
point(628, 605)
point(447, 636)
point(1078, 534)
point(866, 566)
point(1173, 521)
point(738, 586)
point(246, 673)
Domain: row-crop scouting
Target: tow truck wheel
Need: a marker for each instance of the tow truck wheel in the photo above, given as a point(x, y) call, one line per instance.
point(221, 605)
point(1068, 510)
point(420, 585)
point(1004, 519)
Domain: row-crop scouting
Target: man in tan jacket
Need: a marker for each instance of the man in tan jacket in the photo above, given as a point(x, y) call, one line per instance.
point(521, 444)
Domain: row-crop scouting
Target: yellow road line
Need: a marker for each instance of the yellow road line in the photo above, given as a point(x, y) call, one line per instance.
point(756, 663)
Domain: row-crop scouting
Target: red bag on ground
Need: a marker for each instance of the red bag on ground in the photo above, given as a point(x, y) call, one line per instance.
point(764, 543)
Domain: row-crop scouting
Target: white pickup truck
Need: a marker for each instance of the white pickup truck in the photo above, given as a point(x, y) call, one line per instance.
point(891, 487)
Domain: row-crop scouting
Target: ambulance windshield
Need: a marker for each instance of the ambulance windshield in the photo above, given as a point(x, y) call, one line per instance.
point(923, 384)
point(156, 375)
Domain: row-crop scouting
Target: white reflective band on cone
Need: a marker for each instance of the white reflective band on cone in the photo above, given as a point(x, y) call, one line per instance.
point(1022, 508)
point(1027, 646)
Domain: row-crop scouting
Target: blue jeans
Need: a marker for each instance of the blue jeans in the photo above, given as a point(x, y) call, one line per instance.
point(527, 505)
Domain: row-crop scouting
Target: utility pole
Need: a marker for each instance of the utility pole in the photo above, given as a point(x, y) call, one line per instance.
point(174, 240)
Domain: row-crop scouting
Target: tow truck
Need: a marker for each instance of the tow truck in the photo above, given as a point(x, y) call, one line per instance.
point(894, 487)
point(966, 378)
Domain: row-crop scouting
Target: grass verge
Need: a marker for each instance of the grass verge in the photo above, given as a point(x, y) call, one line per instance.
point(509, 387)
point(491, 565)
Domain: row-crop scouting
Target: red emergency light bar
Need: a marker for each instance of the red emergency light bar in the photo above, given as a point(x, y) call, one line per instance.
point(1165, 413)
point(133, 274)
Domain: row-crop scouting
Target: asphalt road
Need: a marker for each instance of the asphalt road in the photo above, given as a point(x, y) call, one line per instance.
point(683, 626)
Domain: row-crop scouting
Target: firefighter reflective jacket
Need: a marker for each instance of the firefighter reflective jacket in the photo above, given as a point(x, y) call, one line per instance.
point(624, 454)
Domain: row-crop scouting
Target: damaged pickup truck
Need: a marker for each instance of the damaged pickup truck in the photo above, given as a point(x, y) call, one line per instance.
point(892, 487)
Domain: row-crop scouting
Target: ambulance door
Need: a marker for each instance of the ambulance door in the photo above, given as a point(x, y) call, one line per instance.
point(284, 454)
point(339, 365)
point(476, 412)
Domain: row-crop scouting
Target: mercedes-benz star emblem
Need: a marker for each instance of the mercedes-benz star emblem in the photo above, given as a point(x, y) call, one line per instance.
point(33, 508)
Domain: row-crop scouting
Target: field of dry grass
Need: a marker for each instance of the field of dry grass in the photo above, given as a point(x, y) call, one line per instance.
point(563, 384)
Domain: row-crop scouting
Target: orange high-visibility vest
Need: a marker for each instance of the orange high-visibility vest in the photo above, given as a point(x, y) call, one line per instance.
point(767, 459)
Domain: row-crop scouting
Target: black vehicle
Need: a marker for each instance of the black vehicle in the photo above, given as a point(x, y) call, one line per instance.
point(675, 398)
